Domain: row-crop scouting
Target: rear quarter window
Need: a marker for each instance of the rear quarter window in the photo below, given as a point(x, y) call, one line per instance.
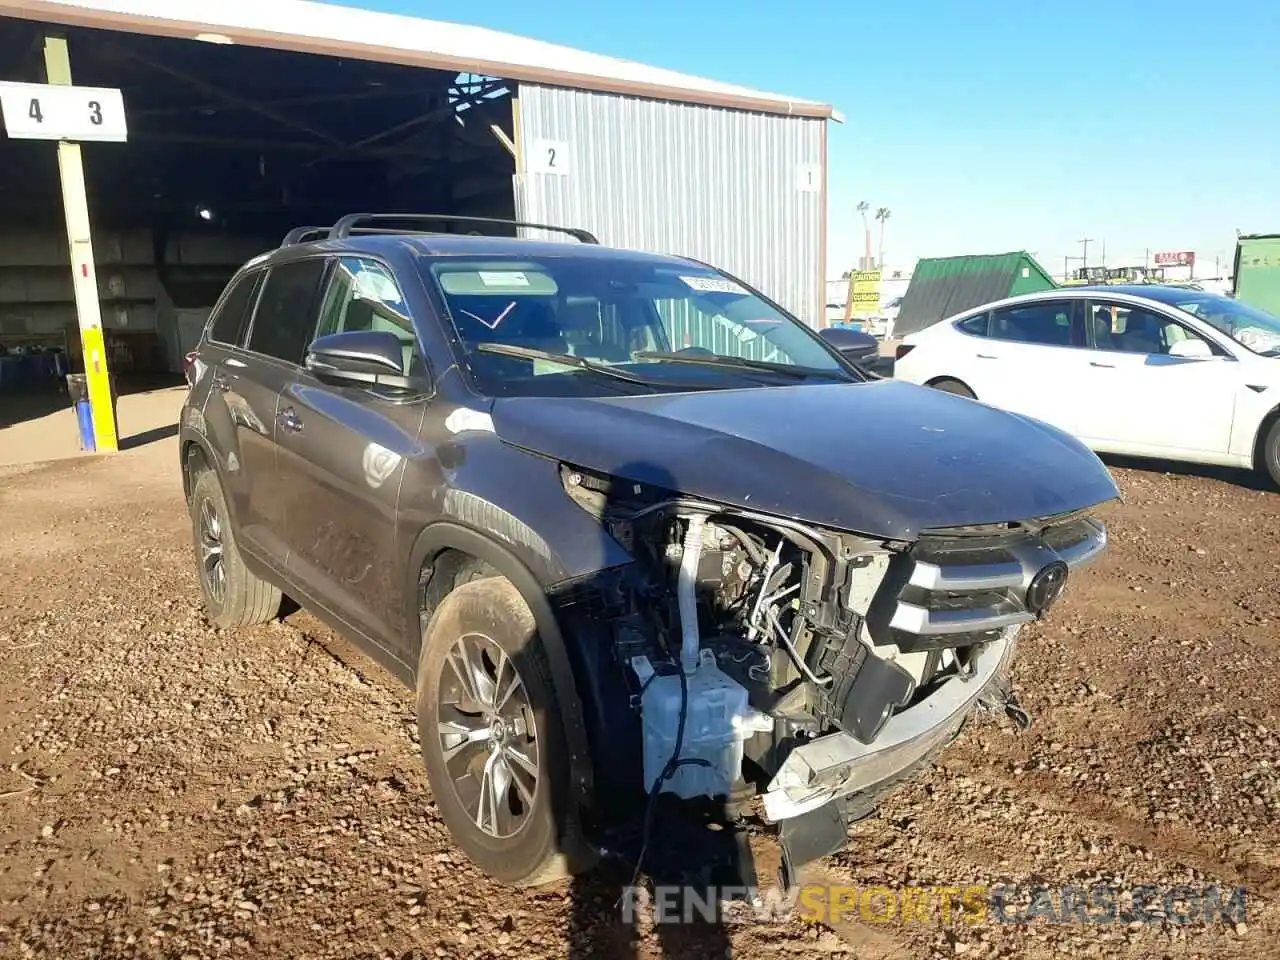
point(975, 325)
point(231, 315)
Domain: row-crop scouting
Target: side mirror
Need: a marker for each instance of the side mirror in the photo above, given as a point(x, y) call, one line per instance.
point(362, 358)
point(1193, 348)
point(854, 344)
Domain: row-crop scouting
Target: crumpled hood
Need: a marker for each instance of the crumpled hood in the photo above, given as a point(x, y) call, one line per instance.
point(884, 458)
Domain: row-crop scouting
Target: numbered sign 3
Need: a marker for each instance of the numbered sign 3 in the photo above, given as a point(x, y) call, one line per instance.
point(551, 156)
point(41, 111)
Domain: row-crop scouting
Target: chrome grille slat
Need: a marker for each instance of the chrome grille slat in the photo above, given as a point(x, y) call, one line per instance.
point(924, 622)
point(1014, 564)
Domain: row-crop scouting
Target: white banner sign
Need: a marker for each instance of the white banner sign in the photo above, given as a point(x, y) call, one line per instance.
point(40, 111)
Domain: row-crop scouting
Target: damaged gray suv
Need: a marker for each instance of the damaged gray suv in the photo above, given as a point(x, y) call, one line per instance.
point(654, 555)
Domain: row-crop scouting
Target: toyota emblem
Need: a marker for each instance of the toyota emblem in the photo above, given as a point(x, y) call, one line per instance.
point(1046, 587)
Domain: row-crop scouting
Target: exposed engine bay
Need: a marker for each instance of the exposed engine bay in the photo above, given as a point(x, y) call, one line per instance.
point(764, 656)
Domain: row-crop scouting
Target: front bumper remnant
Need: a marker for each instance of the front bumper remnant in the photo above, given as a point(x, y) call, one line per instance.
point(809, 793)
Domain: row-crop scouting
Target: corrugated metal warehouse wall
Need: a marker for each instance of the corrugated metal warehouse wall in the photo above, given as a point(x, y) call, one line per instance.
point(742, 191)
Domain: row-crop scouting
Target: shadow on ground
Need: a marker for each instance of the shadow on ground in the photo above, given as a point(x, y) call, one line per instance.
point(1246, 479)
point(148, 436)
point(38, 402)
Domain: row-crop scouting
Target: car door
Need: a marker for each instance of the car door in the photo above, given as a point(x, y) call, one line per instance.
point(251, 386)
point(1144, 400)
point(239, 416)
point(1028, 358)
point(342, 457)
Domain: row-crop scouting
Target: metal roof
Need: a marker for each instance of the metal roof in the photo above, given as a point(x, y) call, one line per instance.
point(332, 30)
point(945, 286)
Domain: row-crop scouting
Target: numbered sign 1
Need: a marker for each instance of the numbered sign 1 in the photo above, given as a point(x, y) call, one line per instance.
point(40, 111)
point(551, 156)
point(809, 178)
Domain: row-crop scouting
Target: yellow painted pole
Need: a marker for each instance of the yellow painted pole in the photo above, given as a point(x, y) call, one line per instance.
point(84, 277)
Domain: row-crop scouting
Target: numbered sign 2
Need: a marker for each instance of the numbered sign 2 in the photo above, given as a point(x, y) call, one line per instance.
point(41, 111)
point(551, 156)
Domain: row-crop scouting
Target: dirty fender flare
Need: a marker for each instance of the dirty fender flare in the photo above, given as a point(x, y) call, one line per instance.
point(187, 438)
point(444, 535)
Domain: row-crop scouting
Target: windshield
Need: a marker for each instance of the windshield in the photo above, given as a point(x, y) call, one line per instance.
point(1250, 327)
point(625, 326)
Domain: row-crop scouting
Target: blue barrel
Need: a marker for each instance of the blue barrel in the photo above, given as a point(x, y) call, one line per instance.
point(84, 417)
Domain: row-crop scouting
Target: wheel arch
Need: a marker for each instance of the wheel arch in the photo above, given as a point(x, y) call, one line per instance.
point(944, 378)
point(194, 455)
point(447, 539)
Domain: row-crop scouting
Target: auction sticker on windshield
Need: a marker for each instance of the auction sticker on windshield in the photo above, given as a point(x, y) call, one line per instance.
point(712, 285)
point(513, 278)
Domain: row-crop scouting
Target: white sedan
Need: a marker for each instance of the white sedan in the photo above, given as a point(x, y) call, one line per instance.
point(1146, 371)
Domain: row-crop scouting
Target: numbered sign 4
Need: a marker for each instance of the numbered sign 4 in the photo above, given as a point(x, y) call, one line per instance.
point(41, 111)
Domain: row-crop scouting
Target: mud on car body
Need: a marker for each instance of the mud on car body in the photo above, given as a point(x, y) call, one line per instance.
point(650, 551)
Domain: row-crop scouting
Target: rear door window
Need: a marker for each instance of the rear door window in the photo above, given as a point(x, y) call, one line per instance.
point(231, 318)
point(1051, 323)
point(285, 321)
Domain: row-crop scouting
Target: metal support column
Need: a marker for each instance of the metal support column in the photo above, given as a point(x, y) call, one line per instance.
point(84, 277)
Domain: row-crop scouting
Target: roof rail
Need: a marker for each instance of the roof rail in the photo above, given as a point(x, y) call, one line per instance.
point(303, 235)
point(348, 224)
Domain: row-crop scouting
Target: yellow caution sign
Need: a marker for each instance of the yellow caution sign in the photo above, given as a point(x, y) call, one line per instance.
point(864, 294)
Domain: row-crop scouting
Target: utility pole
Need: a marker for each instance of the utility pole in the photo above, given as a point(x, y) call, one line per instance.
point(863, 207)
point(1084, 253)
point(1066, 267)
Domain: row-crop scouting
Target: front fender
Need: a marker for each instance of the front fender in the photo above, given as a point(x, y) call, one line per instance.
point(449, 535)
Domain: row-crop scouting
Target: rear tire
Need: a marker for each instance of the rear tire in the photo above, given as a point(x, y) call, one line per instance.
point(1269, 453)
point(947, 385)
point(233, 597)
point(502, 779)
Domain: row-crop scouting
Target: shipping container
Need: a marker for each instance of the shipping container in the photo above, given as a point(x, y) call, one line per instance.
point(1256, 276)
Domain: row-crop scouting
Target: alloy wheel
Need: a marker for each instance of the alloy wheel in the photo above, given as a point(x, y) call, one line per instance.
point(488, 737)
point(213, 570)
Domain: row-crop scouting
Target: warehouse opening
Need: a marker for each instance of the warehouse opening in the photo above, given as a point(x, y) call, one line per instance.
point(229, 147)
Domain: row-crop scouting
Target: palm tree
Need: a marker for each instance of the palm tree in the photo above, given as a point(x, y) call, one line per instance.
point(882, 214)
point(863, 207)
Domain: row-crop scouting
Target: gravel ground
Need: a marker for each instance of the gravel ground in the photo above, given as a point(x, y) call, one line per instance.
point(170, 790)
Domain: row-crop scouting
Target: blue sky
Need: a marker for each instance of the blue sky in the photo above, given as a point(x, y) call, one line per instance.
point(1144, 124)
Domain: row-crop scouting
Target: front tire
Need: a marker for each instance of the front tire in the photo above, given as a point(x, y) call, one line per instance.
point(1269, 453)
point(492, 739)
point(233, 597)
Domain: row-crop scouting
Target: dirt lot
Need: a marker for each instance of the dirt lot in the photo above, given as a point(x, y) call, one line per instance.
point(167, 790)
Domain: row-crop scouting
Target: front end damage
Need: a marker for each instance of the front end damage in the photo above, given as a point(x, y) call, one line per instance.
point(759, 663)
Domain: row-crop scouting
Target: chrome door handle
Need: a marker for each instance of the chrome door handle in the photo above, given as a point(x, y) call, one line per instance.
point(1106, 366)
point(289, 420)
point(987, 356)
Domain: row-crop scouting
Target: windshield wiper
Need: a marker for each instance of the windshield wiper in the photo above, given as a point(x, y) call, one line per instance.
point(567, 359)
point(742, 363)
